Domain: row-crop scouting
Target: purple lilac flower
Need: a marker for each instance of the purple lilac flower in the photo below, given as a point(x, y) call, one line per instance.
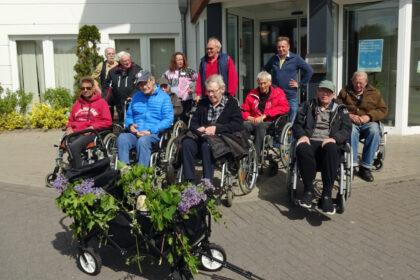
point(60, 183)
point(86, 187)
point(206, 185)
point(189, 198)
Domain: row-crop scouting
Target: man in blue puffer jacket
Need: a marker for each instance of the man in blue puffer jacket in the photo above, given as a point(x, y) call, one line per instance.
point(150, 111)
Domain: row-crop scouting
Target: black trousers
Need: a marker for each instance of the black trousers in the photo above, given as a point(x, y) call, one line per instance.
point(314, 157)
point(76, 146)
point(191, 149)
point(258, 130)
point(186, 108)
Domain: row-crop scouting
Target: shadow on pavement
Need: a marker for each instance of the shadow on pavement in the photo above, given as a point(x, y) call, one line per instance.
point(111, 257)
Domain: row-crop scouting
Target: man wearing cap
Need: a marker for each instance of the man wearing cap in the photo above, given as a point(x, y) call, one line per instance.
point(322, 127)
point(366, 107)
point(150, 112)
point(176, 102)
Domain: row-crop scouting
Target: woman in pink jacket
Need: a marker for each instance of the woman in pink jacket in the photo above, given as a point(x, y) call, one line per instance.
point(90, 111)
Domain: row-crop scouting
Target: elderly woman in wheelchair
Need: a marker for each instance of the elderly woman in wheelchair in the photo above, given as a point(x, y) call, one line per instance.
point(261, 109)
point(150, 111)
point(219, 113)
point(322, 128)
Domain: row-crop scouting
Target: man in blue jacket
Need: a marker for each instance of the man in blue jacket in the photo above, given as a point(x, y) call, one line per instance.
point(284, 67)
point(150, 111)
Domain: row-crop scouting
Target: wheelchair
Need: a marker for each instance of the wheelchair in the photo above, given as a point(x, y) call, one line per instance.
point(378, 160)
point(244, 171)
point(344, 178)
point(276, 145)
point(104, 145)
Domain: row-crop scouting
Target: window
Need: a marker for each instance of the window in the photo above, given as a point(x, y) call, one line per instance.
point(31, 67)
point(161, 51)
point(132, 46)
point(64, 60)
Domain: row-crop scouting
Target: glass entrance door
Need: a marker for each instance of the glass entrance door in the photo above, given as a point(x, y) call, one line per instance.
point(294, 28)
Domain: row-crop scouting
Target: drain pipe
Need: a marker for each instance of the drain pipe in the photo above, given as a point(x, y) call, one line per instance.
point(183, 8)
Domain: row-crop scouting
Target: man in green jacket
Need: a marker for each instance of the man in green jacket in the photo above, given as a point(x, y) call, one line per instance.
point(366, 108)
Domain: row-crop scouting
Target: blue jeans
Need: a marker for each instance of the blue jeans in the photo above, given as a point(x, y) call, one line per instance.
point(143, 145)
point(294, 107)
point(371, 133)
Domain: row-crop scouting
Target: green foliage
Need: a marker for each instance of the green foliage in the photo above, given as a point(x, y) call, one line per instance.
point(87, 52)
point(43, 116)
point(24, 99)
point(12, 121)
point(57, 98)
point(163, 207)
point(87, 210)
point(11, 101)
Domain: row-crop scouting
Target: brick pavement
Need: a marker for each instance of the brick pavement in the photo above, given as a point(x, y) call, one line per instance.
point(378, 237)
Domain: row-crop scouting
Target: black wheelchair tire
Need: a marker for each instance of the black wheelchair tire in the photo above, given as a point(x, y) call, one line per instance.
point(216, 252)
point(89, 261)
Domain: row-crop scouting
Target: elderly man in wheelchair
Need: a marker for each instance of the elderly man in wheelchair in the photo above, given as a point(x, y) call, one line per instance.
point(322, 128)
point(262, 107)
point(150, 112)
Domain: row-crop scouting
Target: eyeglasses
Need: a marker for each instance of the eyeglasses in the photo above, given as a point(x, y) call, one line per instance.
point(85, 88)
point(212, 91)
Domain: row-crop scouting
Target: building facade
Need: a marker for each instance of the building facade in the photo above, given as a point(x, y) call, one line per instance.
point(37, 40)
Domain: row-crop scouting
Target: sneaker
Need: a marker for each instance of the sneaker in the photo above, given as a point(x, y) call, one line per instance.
point(306, 200)
point(365, 174)
point(327, 205)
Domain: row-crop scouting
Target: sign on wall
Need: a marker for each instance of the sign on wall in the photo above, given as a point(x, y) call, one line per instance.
point(370, 55)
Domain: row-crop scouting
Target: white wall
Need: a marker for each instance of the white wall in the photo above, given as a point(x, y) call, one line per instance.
point(22, 19)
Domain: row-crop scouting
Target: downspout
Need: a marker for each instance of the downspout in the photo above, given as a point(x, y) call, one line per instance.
point(183, 8)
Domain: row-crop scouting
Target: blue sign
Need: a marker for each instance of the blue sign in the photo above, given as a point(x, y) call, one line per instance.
point(370, 55)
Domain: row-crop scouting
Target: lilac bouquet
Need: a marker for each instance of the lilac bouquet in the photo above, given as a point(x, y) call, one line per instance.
point(193, 195)
point(87, 186)
point(60, 183)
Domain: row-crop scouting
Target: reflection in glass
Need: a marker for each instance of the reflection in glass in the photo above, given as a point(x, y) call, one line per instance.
point(161, 51)
point(232, 37)
point(246, 65)
point(414, 86)
point(377, 20)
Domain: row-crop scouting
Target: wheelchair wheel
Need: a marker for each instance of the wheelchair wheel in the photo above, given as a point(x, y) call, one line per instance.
point(89, 261)
point(49, 180)
point(178, 127)
point(229, 198)
point(341, 203)
point(110, 142)
point(169, 158)
point(215, 262)
point(285, 141)
point(378, 164)
point(248, 171)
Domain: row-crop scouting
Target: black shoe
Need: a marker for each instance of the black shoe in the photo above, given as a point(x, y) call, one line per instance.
point(327, 205)
point(306, 200)
point(365, 174)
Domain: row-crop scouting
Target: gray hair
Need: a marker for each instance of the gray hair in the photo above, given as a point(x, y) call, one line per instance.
point(217, 42)
point(360, 74)
point(218, 79)
point(121, 54)
point(263, 75)
point(109, 48)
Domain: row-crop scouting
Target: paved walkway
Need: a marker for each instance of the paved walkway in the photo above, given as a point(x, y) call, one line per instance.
point(378, 237)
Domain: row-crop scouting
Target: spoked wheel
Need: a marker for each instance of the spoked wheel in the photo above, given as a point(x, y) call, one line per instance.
point(110, 142)
point(178, 127)
point(378, 164)
point(169, 158)
point(49, 180)
point(248, 171)
point(89, 261)
point(285, 141)
point(217, 253)
point(289, 185)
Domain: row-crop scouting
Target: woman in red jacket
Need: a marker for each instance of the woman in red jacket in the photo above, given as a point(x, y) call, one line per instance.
point(261, 108)
point(89, 111)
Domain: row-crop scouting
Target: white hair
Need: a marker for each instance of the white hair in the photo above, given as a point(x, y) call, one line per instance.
point(360, 74)
point(263, 75)
point(218, 79)
point(121, 54)
point(216, 42)
point(109, 48)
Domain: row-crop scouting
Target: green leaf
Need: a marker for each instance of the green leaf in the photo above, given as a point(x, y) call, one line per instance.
point(170, 258)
